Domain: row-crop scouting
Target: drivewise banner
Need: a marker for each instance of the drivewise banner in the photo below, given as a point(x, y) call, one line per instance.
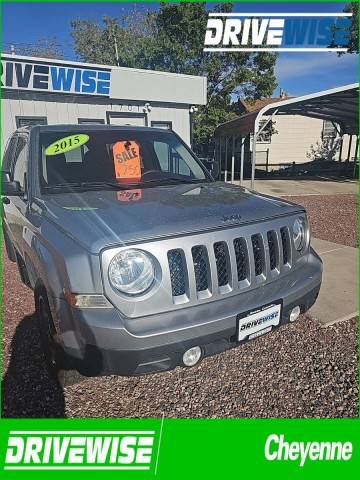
point(176, 448)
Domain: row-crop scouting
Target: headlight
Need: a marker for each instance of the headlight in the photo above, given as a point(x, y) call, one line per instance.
point(131, 271)
point(299, 234)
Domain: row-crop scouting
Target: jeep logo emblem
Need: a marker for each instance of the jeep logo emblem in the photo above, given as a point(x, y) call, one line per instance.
point(236, 217)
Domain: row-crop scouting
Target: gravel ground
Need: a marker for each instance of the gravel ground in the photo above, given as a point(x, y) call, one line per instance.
point(300, 370)
point(332, 217)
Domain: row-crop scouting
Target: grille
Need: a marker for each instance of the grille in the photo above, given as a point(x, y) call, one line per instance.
point(285, 245)
point(177, 272)
point(241, 255)
point(199, 255)
point(258, 249)
point(231, 258)
point(272, 242)
point(220, 251)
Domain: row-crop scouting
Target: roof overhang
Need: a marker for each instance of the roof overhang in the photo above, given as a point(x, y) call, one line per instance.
point(338, 105)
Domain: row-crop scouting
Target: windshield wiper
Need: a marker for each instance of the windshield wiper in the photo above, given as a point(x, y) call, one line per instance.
point(169, 181)
point(118, 186)
point(90, 185)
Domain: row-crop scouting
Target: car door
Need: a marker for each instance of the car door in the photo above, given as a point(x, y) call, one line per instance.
point(15, 211)
point(6, 210)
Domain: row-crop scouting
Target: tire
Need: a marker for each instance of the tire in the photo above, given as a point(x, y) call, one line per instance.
point(10, 252)
point(66, 378)
point(56, 361)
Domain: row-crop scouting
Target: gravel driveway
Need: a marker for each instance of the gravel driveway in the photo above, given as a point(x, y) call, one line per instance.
point(332, 217)
point(300, 370)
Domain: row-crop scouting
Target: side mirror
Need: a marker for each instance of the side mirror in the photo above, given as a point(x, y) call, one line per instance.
point(10, 188)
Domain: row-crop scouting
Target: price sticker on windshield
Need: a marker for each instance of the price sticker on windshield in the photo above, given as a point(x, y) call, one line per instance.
point(132, 195)
point(127, 161)
point(66, 144)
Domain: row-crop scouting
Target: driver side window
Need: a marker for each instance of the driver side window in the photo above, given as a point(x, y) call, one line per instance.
point(8, 159)
point(170, 160)
point(19, 166)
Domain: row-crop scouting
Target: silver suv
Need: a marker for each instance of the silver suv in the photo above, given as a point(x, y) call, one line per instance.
point(139, 260)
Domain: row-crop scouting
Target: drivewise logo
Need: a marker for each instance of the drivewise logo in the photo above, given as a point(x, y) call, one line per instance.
point(82, 450)
point(277, 32)
point(52, 76)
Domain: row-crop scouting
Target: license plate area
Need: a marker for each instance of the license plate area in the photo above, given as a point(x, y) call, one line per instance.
point(259, 321)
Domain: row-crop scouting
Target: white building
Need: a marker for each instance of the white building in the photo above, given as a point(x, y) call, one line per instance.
point(47, 91)
point(290, 139)
point(294, 138)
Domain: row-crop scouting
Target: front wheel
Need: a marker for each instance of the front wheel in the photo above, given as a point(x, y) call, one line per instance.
point(55, 358)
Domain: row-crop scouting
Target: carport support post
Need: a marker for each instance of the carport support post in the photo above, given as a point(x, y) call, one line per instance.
point(233, 160)
point(341, 147)
point(220, 154)
point(257, 131)
point(226, 158)
point(242, 160)
point(349, 149)
point(356, 155)
point(253, 161)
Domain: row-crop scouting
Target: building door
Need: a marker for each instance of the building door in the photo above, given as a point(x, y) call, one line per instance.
point(119, 118)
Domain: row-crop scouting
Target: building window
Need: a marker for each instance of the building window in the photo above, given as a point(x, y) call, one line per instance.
point(329, 130)
point(164, 125)
point(92, 121)
point(29, 121)
point(265, 135)
point(126, 118)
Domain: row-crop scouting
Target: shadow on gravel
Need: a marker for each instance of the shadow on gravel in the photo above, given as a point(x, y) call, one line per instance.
point(27, 389)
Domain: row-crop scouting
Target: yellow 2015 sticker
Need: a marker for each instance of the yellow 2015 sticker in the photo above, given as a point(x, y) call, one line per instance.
point(66, 144)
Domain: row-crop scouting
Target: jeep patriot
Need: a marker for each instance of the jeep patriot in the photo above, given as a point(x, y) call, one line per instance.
point(141, 260)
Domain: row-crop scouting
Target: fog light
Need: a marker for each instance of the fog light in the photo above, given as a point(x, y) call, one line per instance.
point(295, 312)
point(192, 356)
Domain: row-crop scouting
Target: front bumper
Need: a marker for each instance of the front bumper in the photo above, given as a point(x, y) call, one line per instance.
point(100, 342)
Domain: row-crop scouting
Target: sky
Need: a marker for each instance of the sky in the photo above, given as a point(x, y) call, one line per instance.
point(297, 73)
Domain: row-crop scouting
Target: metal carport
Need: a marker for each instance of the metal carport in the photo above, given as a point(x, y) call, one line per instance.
point(338, 105)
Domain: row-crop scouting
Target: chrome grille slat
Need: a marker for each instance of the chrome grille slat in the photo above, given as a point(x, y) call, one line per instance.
point(285, 242)
point(177, 272)
point(273, 249)
point(242, 258)
point(199, 254)
point(222, 267)
point(259, 254)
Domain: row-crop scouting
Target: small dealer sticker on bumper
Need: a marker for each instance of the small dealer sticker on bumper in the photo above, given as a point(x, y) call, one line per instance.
point(255, 323)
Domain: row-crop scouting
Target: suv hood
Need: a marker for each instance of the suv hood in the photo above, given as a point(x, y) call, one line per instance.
point(97, 219)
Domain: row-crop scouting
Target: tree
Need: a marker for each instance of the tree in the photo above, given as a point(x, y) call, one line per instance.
point(172, 39)
point(122, 42)
point(324, 150)
point(43, 48)
point(354, 28)
point(353, 43)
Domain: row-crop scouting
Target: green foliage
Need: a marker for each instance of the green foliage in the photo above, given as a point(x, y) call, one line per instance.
point(324, 150)
point(353, 44)
point(354, 29)
point(131, 37)
point(44, 48)
point(172, 39)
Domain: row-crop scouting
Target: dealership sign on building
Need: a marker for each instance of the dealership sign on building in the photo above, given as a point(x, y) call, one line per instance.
point(54, 76)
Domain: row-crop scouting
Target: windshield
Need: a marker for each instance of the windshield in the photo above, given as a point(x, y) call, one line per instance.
point(115, 159)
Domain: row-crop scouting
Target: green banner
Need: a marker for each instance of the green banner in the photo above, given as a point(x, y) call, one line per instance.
point(174, 448)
